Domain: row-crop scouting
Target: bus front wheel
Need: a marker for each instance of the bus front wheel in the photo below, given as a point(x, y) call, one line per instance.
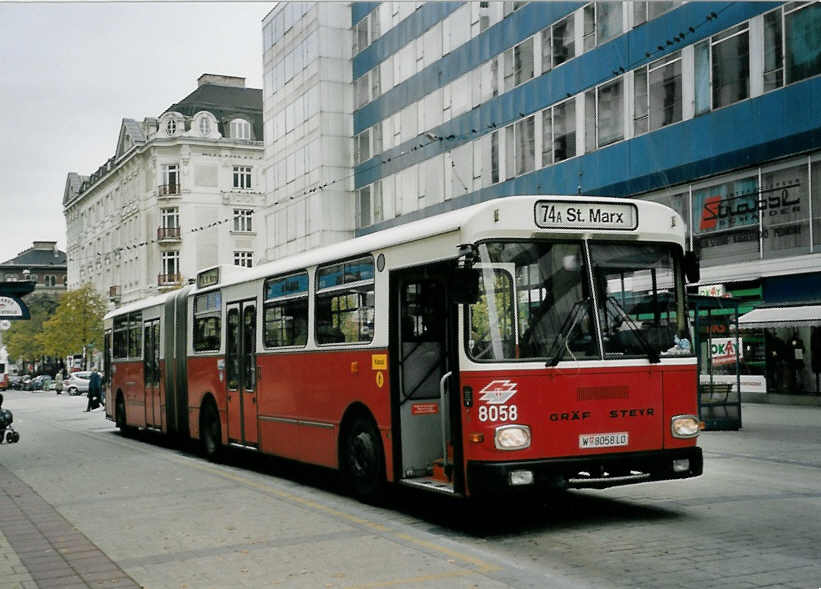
point(364, 463)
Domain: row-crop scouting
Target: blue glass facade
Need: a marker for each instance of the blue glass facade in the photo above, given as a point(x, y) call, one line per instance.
point(749, 132)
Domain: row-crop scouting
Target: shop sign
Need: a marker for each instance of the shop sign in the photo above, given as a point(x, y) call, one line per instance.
point(723, 350)
point(712, 290)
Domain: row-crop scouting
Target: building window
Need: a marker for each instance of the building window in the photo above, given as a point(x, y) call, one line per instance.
point(525, 155)
point(361, 87)
point(362, 147)
point(242, 177)
point(802, 36)
point(170, 266)
point(360, 37)
point(170, 218)
point(658, 94)
point(170, 179)
point(363, 205)
point(240, 129)
point(604, 115)
point(559, 132)
point(494, 157)
point(523, 61)
point(564, 46)
point(602, 22)
point(171, 126)
point(730, 54)
point(244, 258)
point(243, 220)
point(205, 126)
point(644, 10)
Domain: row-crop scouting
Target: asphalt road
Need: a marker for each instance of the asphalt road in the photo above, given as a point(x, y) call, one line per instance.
point(143, 513)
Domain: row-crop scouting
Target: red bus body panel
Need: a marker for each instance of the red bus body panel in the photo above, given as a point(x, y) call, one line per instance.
point(561, 405)
point(128, 377)
point(301, 399)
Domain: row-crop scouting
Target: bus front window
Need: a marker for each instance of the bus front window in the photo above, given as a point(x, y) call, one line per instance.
point(640, 296)
point(548, 315)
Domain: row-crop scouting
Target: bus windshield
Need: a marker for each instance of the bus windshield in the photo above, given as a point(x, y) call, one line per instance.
point(536, 302)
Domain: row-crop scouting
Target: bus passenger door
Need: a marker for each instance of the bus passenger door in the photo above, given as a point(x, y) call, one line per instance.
point(240, 368)
point(422, 354)
point(151, 372)
point(249, 372)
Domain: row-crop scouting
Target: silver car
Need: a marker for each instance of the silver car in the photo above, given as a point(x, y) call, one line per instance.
point(77, 383)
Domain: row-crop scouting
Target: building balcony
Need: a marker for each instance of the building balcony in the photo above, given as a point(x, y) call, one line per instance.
point(169, 280)
point(168, 235)
point(168, 190)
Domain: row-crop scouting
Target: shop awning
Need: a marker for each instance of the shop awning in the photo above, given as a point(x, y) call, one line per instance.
point(799, 316)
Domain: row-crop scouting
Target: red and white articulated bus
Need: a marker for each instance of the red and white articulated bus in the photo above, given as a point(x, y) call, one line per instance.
point(528, 342)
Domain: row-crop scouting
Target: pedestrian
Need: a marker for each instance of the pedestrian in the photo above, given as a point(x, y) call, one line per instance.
point(95, 390)
point(58, 382)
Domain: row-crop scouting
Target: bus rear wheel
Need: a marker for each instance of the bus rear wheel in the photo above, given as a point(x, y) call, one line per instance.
point(363, 461)
point(210, 432)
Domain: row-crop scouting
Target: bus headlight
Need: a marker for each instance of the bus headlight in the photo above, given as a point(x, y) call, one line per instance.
point(684, 426)
point(512, 437)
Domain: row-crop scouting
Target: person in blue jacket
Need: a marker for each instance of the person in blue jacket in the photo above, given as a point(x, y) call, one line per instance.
point(95, 390)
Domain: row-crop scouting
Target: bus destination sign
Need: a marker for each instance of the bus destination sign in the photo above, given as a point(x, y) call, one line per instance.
point(586, 215)
point(208, 277)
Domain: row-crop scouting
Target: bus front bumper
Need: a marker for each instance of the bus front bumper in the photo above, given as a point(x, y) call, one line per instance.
point(580, 472)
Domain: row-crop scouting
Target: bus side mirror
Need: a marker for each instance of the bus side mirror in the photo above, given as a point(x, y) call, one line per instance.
point(464, 285)
point(692, 269)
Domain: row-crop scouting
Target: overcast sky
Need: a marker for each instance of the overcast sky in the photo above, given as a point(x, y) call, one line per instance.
point(69, 74)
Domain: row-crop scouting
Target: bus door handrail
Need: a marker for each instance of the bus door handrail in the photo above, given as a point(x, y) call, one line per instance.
point(443, 393)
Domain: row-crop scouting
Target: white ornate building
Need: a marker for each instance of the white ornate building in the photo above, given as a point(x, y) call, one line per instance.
point(180, 193)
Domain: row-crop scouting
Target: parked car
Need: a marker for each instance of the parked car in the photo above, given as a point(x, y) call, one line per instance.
point(40, 383)
point(15, 382)
point(24, 382)
point(77, 383)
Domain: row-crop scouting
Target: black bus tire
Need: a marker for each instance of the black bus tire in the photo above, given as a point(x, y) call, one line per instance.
point(363, 465)
point(119, 416)
point(210, 433)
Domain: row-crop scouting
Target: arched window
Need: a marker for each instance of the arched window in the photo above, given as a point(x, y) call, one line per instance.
point(171, 126)
point(240, 129)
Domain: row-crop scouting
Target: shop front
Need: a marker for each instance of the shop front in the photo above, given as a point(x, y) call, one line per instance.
point(792, 344)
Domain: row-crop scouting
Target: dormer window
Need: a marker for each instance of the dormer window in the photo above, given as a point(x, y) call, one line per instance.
point(171, 126)
point(205, 126)
point(240, 129)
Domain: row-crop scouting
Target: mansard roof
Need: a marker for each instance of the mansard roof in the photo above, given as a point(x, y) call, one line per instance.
point(73, 183)
point(225, 103)
point(131, 134)
point(42, 253)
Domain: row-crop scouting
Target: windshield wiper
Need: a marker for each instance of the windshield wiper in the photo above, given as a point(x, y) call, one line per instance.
point(652, 354)
point(565, 331)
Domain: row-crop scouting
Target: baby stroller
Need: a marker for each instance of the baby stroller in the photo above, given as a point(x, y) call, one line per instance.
point(7, 433)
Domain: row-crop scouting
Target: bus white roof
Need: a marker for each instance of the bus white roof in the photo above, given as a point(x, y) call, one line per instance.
point(654, 225)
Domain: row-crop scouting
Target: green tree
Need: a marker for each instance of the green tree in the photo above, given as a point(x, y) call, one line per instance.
point(76, 324)
point(21, 339)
